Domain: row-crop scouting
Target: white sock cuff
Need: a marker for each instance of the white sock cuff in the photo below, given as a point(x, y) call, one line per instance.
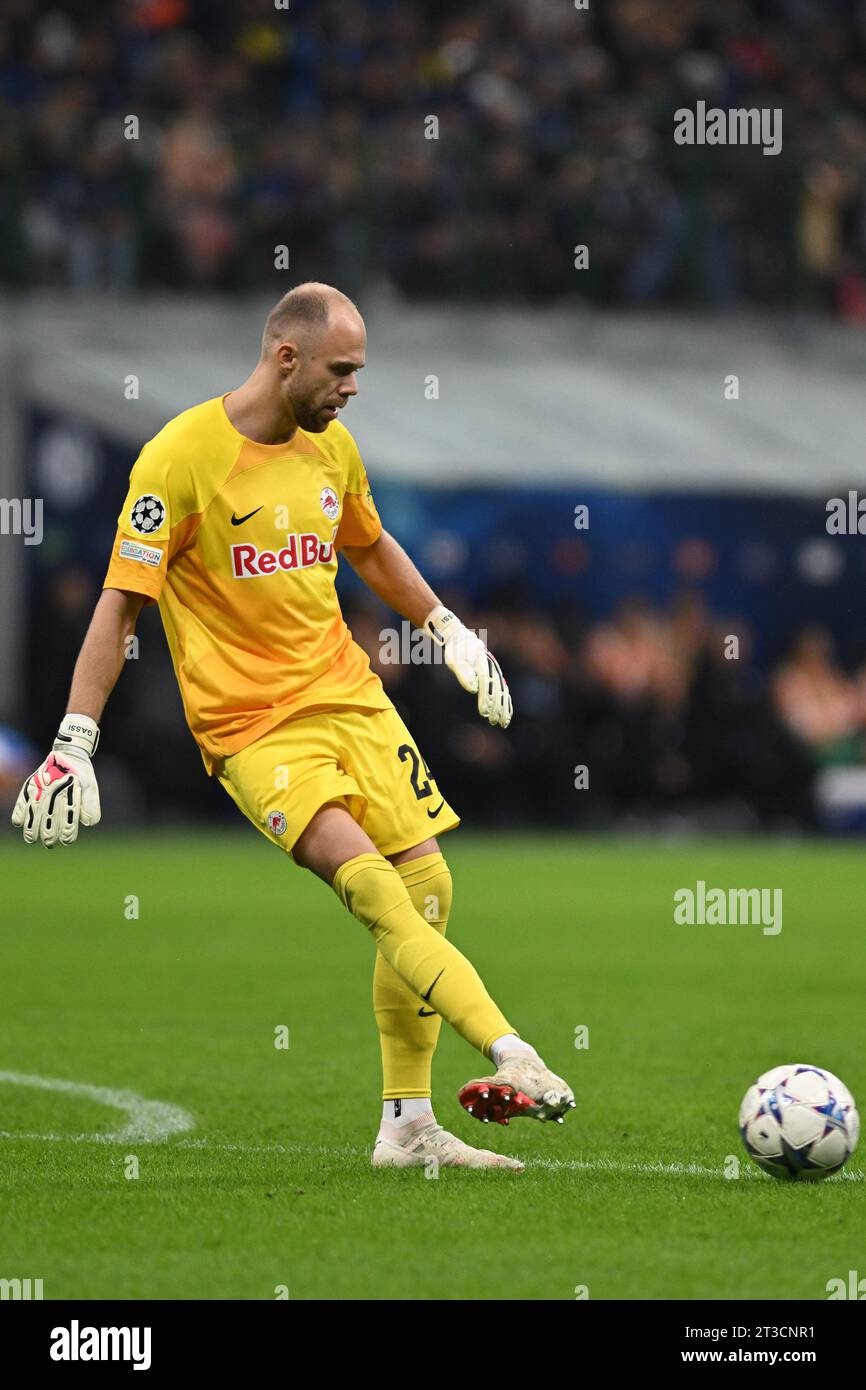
point(403, 1112)
point(507, 1045)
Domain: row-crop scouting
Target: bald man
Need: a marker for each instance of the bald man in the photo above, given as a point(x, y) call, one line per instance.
point(235, 515)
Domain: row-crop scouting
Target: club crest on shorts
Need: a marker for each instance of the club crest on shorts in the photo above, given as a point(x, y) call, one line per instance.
point(330, 503)
point(276, 823)
point(147, 514)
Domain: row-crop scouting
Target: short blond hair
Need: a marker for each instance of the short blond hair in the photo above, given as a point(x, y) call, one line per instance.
point(307, 306)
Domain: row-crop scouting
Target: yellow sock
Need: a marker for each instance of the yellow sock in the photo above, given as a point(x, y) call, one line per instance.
point(374, 892)
point(408, 1027)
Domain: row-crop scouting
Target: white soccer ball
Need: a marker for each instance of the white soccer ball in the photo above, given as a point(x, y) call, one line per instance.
point(799, 1122)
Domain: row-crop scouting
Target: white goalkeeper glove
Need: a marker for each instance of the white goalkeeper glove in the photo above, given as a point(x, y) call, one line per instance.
point(63, 790)
point(474, 666)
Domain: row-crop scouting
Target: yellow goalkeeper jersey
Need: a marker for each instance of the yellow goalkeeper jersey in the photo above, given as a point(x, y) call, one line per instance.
point(237, 542)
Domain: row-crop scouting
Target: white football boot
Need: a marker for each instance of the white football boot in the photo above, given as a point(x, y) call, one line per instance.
point(431, 1142)
point(523, 1085)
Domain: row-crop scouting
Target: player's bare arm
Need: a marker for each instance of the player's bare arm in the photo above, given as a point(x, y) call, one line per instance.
point(388, 571)
point(385, 568)
point(103, 650)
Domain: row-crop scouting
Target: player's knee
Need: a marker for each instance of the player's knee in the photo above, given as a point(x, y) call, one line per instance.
point(331, 838)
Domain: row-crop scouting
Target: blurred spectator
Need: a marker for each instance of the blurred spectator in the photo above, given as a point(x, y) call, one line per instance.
point(315, 127)
point(197, 180)
point(817, 700)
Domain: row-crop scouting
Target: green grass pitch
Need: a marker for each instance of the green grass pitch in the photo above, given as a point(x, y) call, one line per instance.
point(272, 1185)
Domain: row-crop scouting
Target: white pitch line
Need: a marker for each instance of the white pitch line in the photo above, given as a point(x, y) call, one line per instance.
point(148, 1121)
point(598, 1165)
point(153, 1121)
point(606, 1165)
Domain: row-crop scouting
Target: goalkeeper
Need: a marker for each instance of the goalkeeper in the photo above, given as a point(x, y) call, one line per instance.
point(235, 515)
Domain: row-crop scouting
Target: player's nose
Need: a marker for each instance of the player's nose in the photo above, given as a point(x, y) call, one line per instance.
point(349, 387)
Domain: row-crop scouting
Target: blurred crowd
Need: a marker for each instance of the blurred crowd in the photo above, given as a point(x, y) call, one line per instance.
point(647, 712)
point(176, 143)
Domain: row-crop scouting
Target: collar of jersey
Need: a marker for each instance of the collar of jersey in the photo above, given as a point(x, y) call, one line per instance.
point(269, 450)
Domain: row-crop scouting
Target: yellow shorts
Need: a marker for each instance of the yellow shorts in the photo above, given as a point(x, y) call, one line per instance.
point(367, 758)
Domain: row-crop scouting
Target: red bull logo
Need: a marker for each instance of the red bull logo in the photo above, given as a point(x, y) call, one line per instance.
point(299, 552)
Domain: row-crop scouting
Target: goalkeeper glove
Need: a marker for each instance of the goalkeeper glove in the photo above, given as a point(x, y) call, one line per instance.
point(474, 666)
point(63, 790)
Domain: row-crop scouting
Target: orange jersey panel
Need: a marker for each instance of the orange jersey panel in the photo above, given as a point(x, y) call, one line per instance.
point(238, 543)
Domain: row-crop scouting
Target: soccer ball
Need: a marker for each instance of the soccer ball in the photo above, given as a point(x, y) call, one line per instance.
point(799, 1122)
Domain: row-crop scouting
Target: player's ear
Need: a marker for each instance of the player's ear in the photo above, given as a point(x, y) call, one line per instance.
point(287, 356)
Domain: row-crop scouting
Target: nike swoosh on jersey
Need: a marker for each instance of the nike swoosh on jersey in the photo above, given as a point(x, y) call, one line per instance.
point(239, 520)
point(434, 814)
